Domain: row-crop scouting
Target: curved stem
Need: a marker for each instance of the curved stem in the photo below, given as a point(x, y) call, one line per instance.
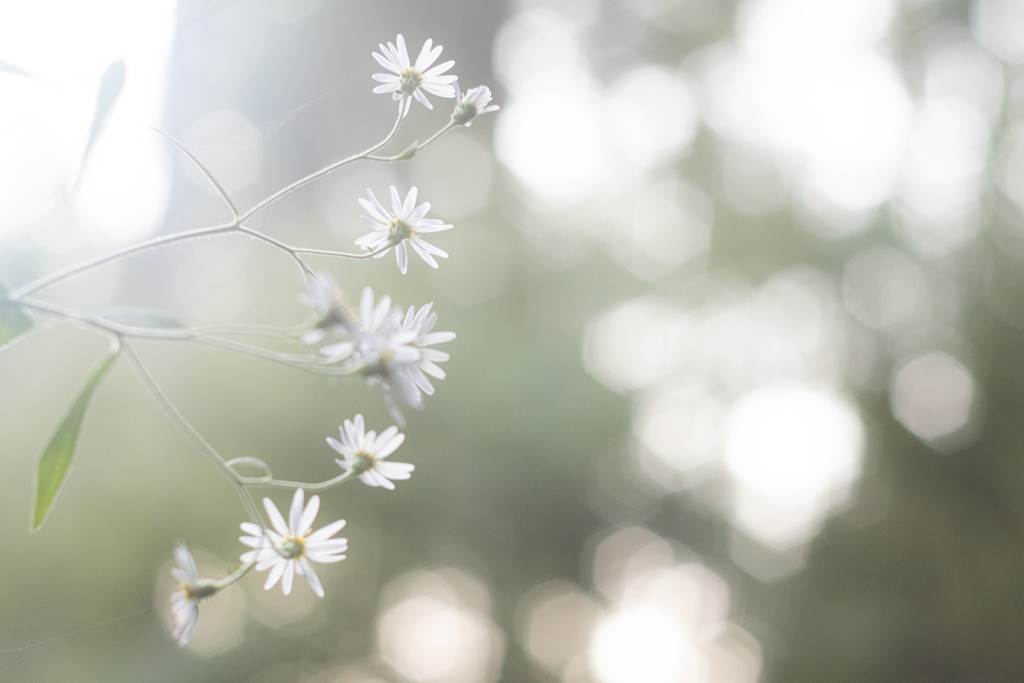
point(194, 436)
point(324, 171)
point(321, 486)
point(406, 154)
point(61, 275)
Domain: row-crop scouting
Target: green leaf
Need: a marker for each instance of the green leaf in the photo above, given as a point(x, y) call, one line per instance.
point(13, 322)
point(139, 317)
point(110, 88)
point(56, 459)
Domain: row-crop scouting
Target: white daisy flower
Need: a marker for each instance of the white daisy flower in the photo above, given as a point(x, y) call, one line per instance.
point(404, 223)
point(476, 101)
point(185, 603)
point(418, 326)
point(409, 80)
point(365, 451)
point(287, 549)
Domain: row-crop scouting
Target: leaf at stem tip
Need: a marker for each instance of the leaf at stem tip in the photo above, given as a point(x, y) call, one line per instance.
point(55, 462)
point(110, 88)
point(13, 321)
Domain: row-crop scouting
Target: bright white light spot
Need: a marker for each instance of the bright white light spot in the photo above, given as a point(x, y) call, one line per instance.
point(433, 636)
point(626, 555)
point(734, 657)
point(127, 182)
point(558, 621)
point(651, 115)
point(808, 86)
point(635, 344)
point(942, 176)
point(789, 29)
point(554, 142)
point(963, 72)
point(933, 395)
point(643, 642)
point(680, 427)
point(539, 50)
point(882, 288)
point(697, 598)
point(999, 26)
point(794, 452)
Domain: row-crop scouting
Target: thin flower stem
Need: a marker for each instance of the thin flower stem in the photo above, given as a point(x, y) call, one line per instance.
point(286, 333)
point(406, 154)
point(186, 427)
point(62, 275)
point(321, 486)
point(306, 270)
point(124, 331)
point(206, 173)
point(324, 171)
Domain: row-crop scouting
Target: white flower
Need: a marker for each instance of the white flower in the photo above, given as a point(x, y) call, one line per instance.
point(364, 452)
point(418, 326)
point(322, 296)
point(409, 80)
point(391, 352)
point(402, 224)
point(476, 101)
point(185, 603)
point(287, 549)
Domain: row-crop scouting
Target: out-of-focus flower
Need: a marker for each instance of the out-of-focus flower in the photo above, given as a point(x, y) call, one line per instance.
point(365, 451)
point(185, 602)
point(402, 224)
point(409, 80)
point(476, 101)
point(288, 549)
point(322, 296)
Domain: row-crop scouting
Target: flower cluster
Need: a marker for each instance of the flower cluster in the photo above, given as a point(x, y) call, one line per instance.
point(390, 350)
point(381, 343)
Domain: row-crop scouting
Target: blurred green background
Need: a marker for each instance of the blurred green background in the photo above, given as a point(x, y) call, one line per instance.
point(737, 289)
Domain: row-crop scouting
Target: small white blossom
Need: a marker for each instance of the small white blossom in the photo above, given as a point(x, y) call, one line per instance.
point(185, 602)
point(365, 451)
point(404, 223)
point(287, 549)
point(409, 80)
point(476, 101)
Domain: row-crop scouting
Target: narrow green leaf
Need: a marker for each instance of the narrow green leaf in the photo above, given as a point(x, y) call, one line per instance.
point(13, 322)
point(56, 459)
point(139, 317)
point(110, 88)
